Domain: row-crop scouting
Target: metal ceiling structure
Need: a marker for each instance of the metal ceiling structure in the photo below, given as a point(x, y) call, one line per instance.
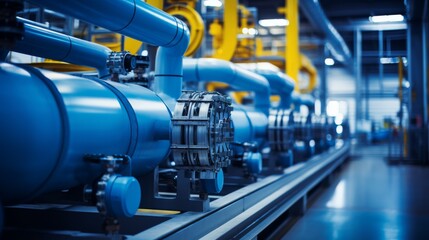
point(347, 17)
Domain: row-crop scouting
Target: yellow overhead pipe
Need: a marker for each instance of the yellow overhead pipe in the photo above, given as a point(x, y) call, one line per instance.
point(308, 67)
point(194, 20)
point(225, 41)
point(292, 40)
point(225, 37)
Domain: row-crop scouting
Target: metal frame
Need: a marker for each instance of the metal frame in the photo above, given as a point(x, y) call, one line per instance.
point(241, 214)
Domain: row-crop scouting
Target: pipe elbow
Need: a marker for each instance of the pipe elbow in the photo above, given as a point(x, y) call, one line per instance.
point(179, 44)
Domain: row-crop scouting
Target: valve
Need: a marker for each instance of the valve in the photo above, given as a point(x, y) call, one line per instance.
point(247, 156)
point(120, 63)
point(116, 195)
point(252, 158)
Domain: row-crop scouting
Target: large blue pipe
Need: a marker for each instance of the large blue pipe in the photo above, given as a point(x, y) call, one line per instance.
point(281, 84)
point(46, 43)
point(209, 69)
point(49, 121)
point(143, 22)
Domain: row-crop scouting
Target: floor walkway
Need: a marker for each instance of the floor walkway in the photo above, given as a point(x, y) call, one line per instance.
point(370, 200)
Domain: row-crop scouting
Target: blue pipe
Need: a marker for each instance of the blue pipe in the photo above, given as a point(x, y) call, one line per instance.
point(46, 43)
point(249, 125)
point(143, 22)
point(281, 84)
point(208, 69)
point(49, 121)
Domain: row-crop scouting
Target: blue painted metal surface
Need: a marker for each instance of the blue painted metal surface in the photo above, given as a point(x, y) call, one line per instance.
point(122, 196)
point(280, 83)
point(208, 69)
point(50, 121)
point(143, 22)
point(46, 43)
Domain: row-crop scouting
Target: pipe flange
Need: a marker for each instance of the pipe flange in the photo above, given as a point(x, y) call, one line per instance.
point(202, 131)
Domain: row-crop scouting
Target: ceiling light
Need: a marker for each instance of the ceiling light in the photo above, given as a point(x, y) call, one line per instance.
point(252, 31)
point(388, 60)
point(329, 61)
point(212, 3)
point(386, 18)
point(278, 22)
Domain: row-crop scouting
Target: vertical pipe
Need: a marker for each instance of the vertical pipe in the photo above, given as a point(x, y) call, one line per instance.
point(292, 41)
point(229, 33)
point(358, 75)
point(425, 29)
point(380, 55)
point(323, 79)
point(367, 97)
point(418, 110)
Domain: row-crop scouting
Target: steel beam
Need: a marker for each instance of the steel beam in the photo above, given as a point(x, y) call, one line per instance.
point(417, 49)
point(358, 74)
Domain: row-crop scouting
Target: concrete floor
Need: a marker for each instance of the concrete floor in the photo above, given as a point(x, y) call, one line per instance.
point(370, 200)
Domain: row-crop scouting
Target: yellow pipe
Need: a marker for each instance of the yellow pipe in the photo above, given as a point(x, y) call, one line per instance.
point(292, 41)
point(194, 21)
point(308, 67)
point(225, 50)
point(156, 3)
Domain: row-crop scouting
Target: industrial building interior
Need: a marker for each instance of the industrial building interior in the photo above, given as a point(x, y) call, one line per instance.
point(214, 119)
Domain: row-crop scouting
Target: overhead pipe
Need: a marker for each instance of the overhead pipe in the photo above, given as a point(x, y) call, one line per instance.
point(141, 21)
point(226, 49)
point(314, 13)
point(208, 69)
point(45, 43)
point(280, 83)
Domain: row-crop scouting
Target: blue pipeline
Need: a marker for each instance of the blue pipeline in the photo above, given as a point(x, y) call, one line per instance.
point(249, 125)
point(208, 70)
point(51, 120)
point(46, 43)
point(143, 22)
point(281, 84)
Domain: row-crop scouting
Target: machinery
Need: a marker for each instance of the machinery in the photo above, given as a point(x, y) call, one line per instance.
point(106, 142)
